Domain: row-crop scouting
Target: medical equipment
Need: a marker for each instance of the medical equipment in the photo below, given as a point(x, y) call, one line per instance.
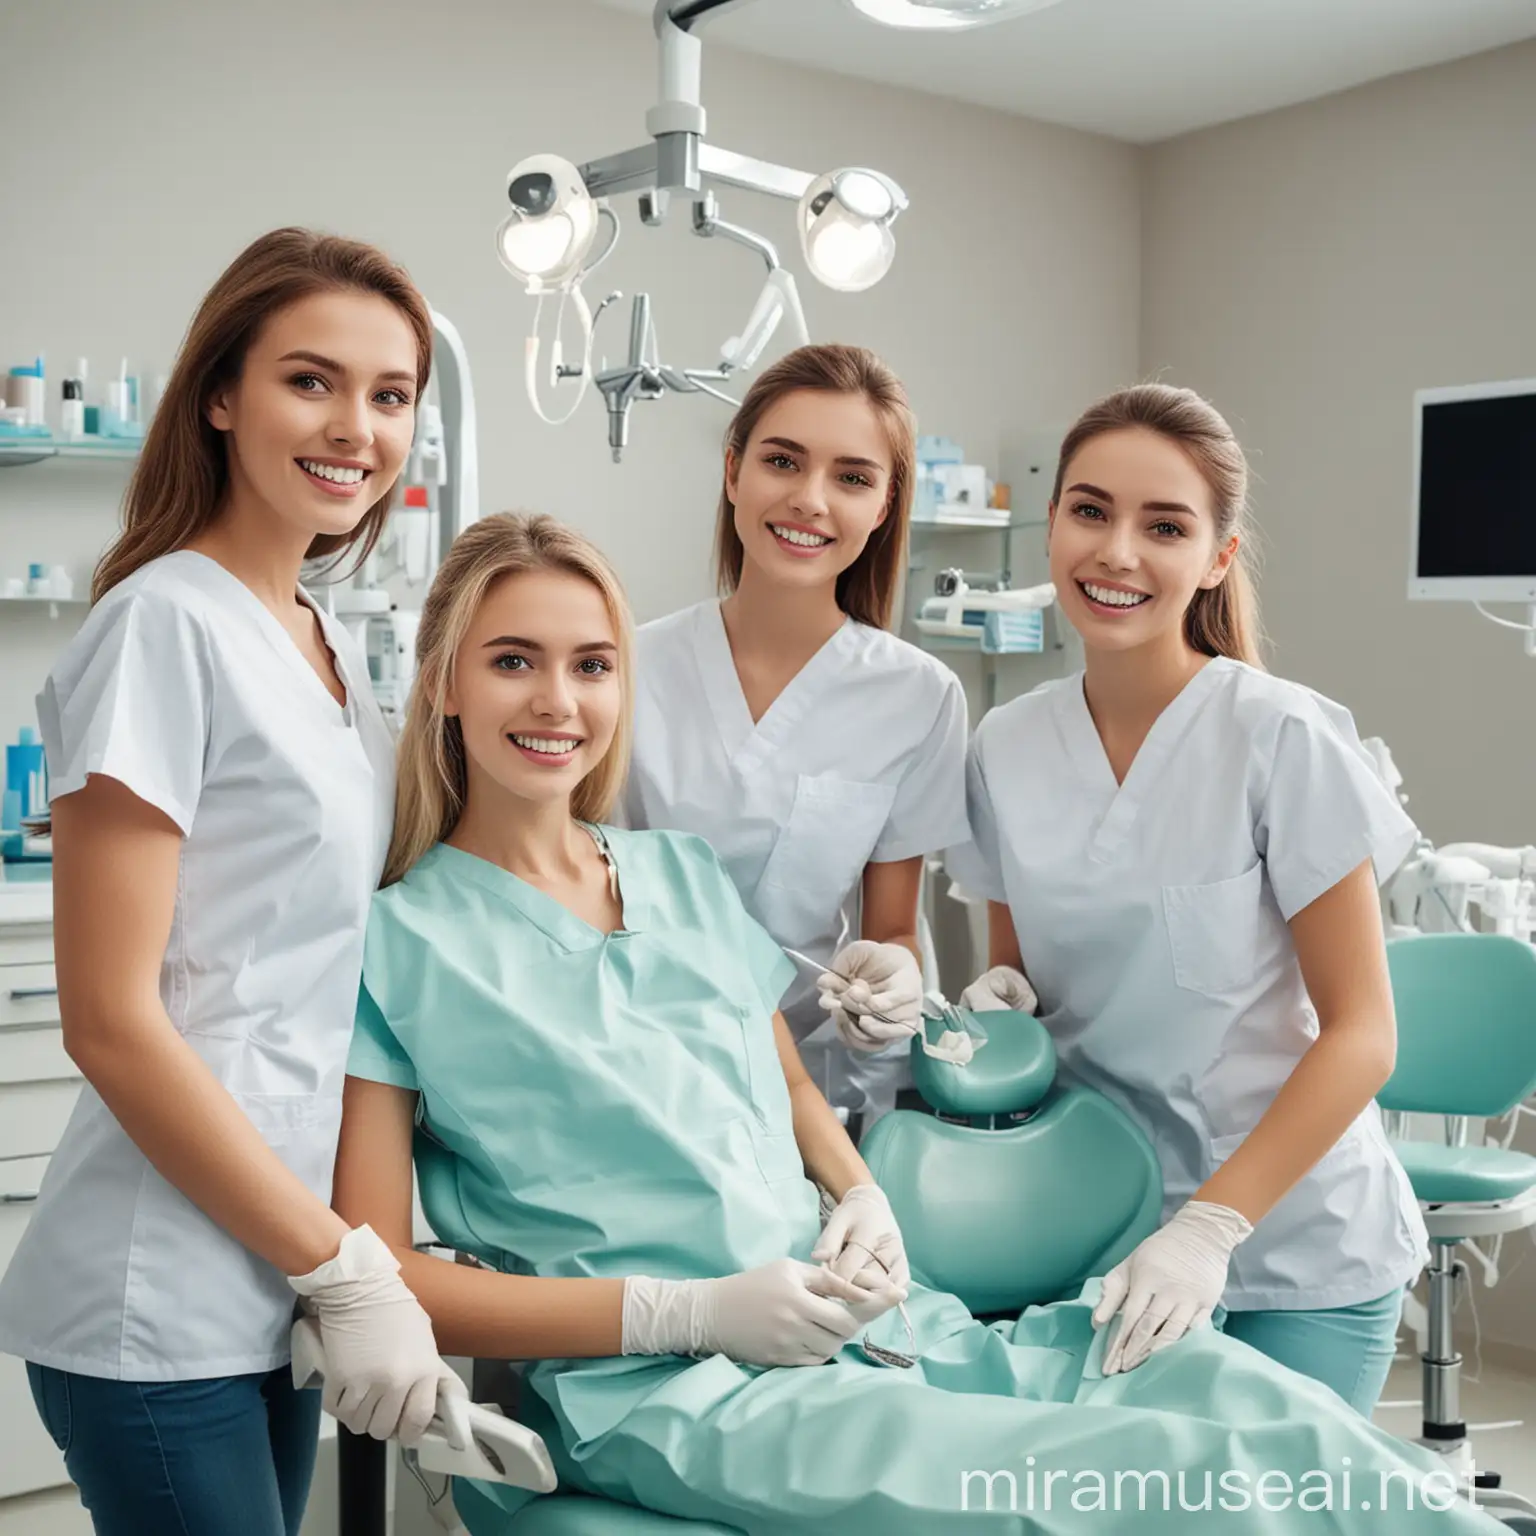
point(957, 1043)
point(881, 1355)
point(1474, 495)
point(844, 222)
point(501, 1450)
point(379, 601)
point(958, 611)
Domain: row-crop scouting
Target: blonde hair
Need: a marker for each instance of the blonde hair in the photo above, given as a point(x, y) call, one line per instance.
point(1221, 620)
point(867, 590)
point(182, 476)
point(432, 780)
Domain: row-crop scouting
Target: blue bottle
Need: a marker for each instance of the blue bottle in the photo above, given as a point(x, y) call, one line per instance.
point(24, 773)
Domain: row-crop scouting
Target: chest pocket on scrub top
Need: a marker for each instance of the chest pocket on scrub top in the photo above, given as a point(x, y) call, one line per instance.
point(1213, 932)
point(820, 853)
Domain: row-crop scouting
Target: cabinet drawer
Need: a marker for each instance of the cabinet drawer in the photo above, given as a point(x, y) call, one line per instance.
point(29, 1460)
point(33, 1117)
point(26, 944)
point(29, 994)
point(35, 1056)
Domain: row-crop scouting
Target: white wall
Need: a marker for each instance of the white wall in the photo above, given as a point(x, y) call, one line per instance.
point(169, 133)
point(1308, 270)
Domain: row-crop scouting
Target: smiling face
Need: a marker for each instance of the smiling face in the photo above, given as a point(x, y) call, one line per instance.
point(1133, 537)
point(811, 485)
point(320, 420)
point(536, 687)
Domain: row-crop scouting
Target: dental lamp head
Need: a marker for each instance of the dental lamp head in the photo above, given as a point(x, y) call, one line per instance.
point(546, 237)
point(946, 15)
point(845, 221)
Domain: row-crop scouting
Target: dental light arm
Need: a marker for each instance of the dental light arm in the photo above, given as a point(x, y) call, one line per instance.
point(844, 224)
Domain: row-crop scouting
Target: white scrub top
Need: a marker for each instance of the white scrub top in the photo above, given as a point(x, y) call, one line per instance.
point(1152, 919)
point(184, 687)
point(860, 759)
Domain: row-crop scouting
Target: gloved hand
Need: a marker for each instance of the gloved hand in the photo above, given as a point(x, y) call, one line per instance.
point(783, 1313)
point(383, 1374)
point(874, 993)
point(862, 1243)
point(1170, 1283)
point(1001, 987)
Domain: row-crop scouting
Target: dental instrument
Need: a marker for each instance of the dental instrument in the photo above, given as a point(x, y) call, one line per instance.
point(843, 219)
point(501, 1451)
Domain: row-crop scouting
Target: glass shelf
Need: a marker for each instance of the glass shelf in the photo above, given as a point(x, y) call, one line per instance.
point(979, 526)
point(33, 450)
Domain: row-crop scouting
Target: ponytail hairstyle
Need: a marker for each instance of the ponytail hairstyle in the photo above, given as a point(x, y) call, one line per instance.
point(432, 781)
point(1222, 620)
point(868, 589)
point(182, 475)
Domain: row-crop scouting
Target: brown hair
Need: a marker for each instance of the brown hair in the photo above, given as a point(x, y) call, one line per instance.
point(433, 779)
point(867, 590)
point(1221, 620)
point(182, 475)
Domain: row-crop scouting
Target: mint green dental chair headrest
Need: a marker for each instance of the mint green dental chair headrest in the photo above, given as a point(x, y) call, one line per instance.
point(1466, 1024)
point(1018, 1189)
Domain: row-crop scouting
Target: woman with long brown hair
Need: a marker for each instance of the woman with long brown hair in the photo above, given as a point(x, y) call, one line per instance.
point(821, 756)
point(1181, 853)
point(223, 790)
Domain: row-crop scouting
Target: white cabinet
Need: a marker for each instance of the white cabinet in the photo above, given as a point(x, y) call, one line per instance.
point(38, 1088)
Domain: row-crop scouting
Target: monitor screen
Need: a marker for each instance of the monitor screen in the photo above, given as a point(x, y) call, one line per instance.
point(1475, 523)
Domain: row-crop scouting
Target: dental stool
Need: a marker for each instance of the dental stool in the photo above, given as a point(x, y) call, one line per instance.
point(1015, 1190)
point(1466, 1049)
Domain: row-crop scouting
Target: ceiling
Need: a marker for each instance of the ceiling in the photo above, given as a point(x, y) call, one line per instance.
point(1139, 70)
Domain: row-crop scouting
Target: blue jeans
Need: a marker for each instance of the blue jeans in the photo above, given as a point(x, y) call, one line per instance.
point(231, 1456)
point(1347, 1348)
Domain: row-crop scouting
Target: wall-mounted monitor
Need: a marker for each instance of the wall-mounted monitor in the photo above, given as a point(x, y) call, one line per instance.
point(1474, 493)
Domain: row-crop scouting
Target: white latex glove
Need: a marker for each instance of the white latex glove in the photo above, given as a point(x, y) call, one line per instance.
point(383, 1374)
point(1170, 1283)
point(783, 1313)
point(862, 1243)
point(881, 979)
point(1001, 987)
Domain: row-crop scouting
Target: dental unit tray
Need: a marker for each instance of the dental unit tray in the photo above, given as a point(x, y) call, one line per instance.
point(502, 1450)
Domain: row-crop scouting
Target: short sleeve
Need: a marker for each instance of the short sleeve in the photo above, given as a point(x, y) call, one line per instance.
point(376, 1055)
point(928, 813)
point(975, 864)
point(132, 699)
point(1326, 810)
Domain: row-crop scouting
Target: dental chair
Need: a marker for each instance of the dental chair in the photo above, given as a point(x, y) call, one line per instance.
point(975, 1185)
point(1466, 1049)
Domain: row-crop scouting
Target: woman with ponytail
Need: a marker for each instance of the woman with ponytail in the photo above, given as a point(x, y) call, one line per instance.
point(1181, 852)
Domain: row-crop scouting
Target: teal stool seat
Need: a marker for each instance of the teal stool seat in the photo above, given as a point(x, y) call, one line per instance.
point(1443, 1175)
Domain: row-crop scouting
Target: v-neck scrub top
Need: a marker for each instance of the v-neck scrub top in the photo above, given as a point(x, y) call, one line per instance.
point(1152, 921)
point(183, 686)
point(860, 759)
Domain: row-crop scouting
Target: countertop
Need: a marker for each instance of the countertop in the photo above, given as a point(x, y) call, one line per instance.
point(26, 893)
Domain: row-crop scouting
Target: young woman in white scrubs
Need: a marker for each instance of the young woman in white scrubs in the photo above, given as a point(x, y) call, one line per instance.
point(818, 754)
point(1182, 855)
point(222, 799)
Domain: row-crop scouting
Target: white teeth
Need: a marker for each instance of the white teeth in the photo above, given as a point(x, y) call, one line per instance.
point(544, 744)
point(1114, 598)
point(795, 536)
point(333, 472)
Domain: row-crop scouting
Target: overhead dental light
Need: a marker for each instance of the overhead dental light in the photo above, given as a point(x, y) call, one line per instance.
point(845, 223)
point(553, 222)
point(946, 15)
